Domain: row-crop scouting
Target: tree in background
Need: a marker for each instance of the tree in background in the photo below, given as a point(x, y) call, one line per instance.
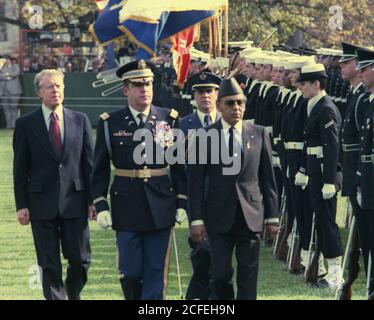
point(253, 19)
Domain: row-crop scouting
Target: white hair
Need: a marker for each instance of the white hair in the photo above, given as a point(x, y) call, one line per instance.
point(46, 72)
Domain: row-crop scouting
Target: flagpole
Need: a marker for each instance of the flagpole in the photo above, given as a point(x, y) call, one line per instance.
point(226, 31)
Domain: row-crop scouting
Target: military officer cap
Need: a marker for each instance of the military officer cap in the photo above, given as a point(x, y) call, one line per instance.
point(349, 52)
point(204, 79)
point(365, 58)
point(312, 72)
point(137, 71)
point(229, 87)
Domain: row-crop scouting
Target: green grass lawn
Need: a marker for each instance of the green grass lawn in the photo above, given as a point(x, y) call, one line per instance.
point(18, 260)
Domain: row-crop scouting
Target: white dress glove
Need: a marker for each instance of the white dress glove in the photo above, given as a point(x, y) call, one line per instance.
point(276, 162)
point(359, 198)
point(328, 191)
point(301, 180)
point(180, 215)
point(104, 219)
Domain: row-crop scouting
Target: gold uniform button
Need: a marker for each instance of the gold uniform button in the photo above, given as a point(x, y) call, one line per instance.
point(121, 143)
point(145, 180)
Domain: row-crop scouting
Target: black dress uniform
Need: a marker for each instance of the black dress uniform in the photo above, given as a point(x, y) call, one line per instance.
point(365, 174)
point(265, 117)
point(252, 95)
point(143, 197)
point(293, 141)
point(350, 141)
point(322, 147)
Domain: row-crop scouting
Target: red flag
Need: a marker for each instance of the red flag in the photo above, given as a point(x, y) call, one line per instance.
point(182, 42)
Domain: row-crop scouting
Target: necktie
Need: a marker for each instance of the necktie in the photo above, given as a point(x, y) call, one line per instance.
point(207, 120)
point(231, 141)
point(141, 117)
point(55, 134)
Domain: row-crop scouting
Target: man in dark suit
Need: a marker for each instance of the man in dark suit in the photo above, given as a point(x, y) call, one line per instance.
point(205, 90)
point(239, 195)
point(144, 200)
point(53, 152)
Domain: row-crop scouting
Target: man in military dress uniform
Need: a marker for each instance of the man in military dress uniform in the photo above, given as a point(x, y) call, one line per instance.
point(365, 172)
point(205, 91)
point(322, 147)
point(143, 197)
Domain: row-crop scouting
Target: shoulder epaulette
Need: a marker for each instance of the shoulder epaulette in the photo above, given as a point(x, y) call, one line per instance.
point(105, 116)
point(173, 113)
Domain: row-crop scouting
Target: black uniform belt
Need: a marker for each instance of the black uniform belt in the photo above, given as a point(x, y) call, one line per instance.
point(293, 145)
point(367, 158)
point(350, 147)
point(141, 173)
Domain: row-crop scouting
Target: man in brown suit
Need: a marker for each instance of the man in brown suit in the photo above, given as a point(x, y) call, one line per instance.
point(230, 207)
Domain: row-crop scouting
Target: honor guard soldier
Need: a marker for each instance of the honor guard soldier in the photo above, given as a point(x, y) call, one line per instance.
point(346, 62)
point(292, 133)
point(322, 146)
point(365, 172)
point(354, 115)
point(204, 87)
point(143, 197)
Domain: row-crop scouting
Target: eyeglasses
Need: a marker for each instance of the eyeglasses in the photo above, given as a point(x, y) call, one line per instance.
point(231, 103)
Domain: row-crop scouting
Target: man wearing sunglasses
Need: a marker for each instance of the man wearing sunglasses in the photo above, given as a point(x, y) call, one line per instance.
point(229, 208)
point(204, 87)
point(143, 198)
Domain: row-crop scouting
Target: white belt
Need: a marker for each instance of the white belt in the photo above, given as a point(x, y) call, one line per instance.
point(315, 151)
point(367, 158)
point(276, 140)
point(350, 147)
point(270, 129)
point(294, 145)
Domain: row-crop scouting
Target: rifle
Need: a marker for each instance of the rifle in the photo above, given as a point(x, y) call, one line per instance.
point(350, 262)
point(294, 259)
point(280, 244)
point(348, 215)
point(369, 275)
point(311, 272)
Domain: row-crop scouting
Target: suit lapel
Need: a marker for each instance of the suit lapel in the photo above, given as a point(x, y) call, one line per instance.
point(248, 144)
point(70, 132)
point(41, 133)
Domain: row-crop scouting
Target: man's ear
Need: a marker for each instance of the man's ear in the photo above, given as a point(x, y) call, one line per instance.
point(125, 91)
point(219, 105)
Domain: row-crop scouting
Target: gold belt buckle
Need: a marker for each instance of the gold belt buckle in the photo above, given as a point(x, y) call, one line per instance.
point(144, 173)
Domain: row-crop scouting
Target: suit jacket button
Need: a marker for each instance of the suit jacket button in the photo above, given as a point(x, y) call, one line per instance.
point(145, 180)
point(115, 193)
